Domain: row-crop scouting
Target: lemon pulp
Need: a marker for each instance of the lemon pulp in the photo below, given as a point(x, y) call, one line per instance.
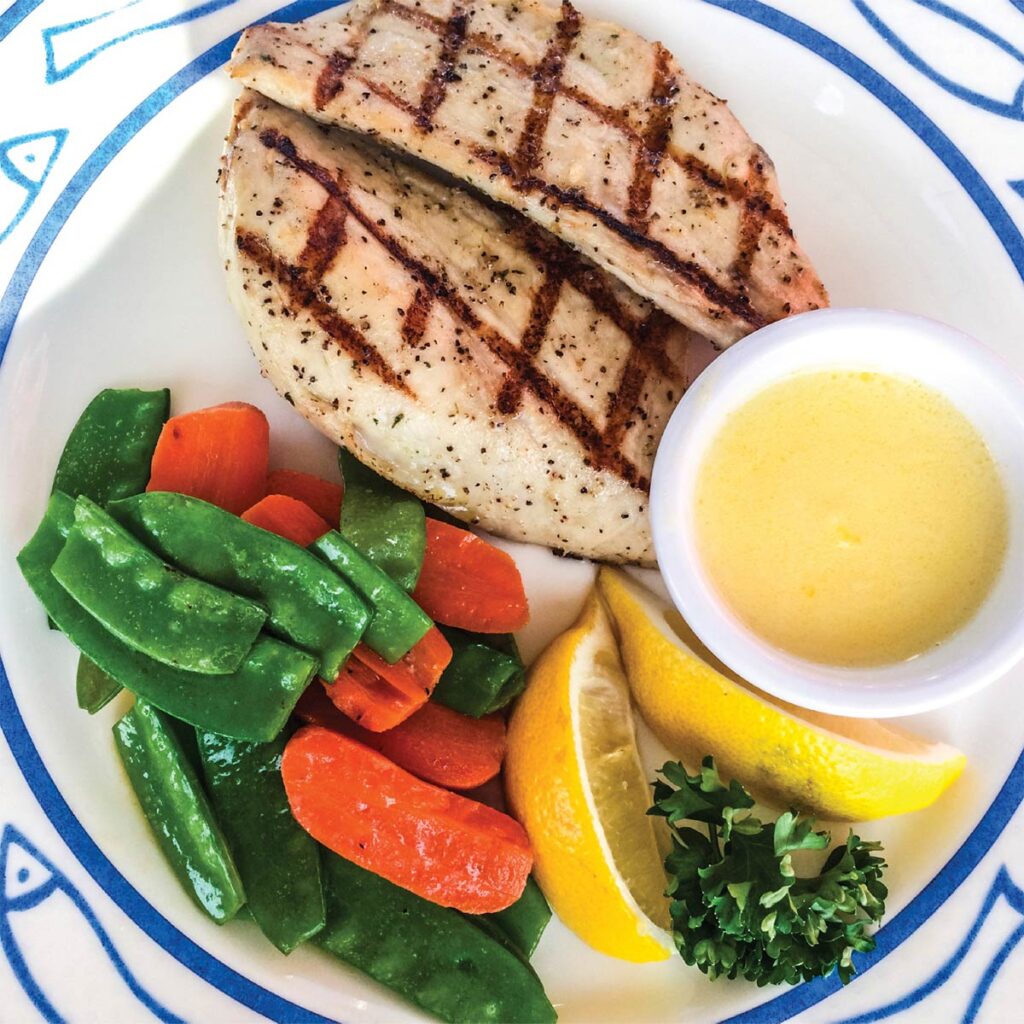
point(851, 518)
point(573, 778)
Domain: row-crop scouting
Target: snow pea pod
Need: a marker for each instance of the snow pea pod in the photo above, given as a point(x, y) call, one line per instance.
point(252, 703)
point(397, 621)
point(431, 955)
point(524, 922)
point(110, 448)
point(484, 675)
point(168, 616)
point(308, 603)
point(278, 861)
point(93, 687)
point(178, 811)
point(382, 522)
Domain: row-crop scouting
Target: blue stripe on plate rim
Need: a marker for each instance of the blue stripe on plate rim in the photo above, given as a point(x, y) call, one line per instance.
point(183, 949)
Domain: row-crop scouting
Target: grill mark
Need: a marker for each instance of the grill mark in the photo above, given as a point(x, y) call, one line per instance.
point(452, 39)
point(414, 323)
point(752, 223)
point(568, 413)
point(736, 304)
point(592, 282)
point(386, 93)
point(736, 189)
point(545, 300)
point(651, 151)
point(301, 288)
point(325, 239)
point(648, 352)
point(331, 79)
point(547, 78)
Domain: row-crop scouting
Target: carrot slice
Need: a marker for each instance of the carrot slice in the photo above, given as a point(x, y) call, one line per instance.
point(439, 845)
point(377, 695)
point(469, 583)
point(218, 454)
point(287, 517)
point(436, 744)
point(374, 703)
point(419, 670)
point(322, 496)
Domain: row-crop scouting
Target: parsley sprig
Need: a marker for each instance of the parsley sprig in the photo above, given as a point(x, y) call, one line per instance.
point(738, 907)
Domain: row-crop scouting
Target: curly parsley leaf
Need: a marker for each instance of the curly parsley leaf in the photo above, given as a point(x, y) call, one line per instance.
point(738, 907)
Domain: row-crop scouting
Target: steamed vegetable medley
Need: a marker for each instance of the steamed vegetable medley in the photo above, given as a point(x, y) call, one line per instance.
point(318, 675)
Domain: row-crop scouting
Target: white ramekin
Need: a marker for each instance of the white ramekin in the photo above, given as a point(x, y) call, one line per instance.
point(977, 381)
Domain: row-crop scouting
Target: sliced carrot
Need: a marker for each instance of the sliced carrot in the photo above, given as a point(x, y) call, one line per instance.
point(218, 454)
point(377, 695)
point(436, 744)
point(288, 518)
point(416, 672)
point(322, 496)
point(374, 703)
point(439, 845)
point(469, 583)
point(446, 748)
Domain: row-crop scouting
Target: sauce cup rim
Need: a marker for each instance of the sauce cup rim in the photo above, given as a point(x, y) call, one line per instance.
point(980, 384)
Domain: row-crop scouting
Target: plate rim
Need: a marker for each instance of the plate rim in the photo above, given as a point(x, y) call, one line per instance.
point(30, 762)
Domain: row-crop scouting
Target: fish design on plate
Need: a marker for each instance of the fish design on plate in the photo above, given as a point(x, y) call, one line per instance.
point(25, 162)
point(954, 49)
point(39, 900)
point(995, 934)
point(70, 46)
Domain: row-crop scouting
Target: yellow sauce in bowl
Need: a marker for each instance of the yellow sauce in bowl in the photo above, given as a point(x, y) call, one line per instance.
point(849, 518)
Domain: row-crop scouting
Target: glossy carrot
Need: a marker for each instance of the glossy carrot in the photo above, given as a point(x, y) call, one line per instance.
point(364, 697)
point(287, 517)
point(218, 454)
point(377, 695)
point(322, 496)
point(469, 583)
point(436, 744)
point(439, 845)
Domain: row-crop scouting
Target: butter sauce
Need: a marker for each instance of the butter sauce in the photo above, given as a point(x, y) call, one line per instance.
point(851, 518)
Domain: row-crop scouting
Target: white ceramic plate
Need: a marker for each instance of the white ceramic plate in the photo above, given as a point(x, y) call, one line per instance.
point(110, 128)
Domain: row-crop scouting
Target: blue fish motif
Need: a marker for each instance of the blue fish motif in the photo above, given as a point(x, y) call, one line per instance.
point(72, 45)
point(1003, 888)
point(25, 162)
point(34, 889)
point(982, 68)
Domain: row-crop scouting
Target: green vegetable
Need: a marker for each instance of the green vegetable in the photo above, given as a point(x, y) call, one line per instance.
point(278, 861)
point(398, 622)
point(738, 907)
point(484, 675)
point(110, 449)
point(178, 812)
point(94, 688)
point(308, 603)
point(170, 617)
point(433, 956)
point(252, 703)
point(382, 522)
point(524, 922)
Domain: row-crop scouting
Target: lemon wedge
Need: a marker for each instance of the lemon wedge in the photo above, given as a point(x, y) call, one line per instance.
point(837, 768)
point(573, 778)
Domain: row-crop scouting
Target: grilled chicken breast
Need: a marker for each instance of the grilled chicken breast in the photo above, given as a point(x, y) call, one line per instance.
point(452, 345)
point(588, 129)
